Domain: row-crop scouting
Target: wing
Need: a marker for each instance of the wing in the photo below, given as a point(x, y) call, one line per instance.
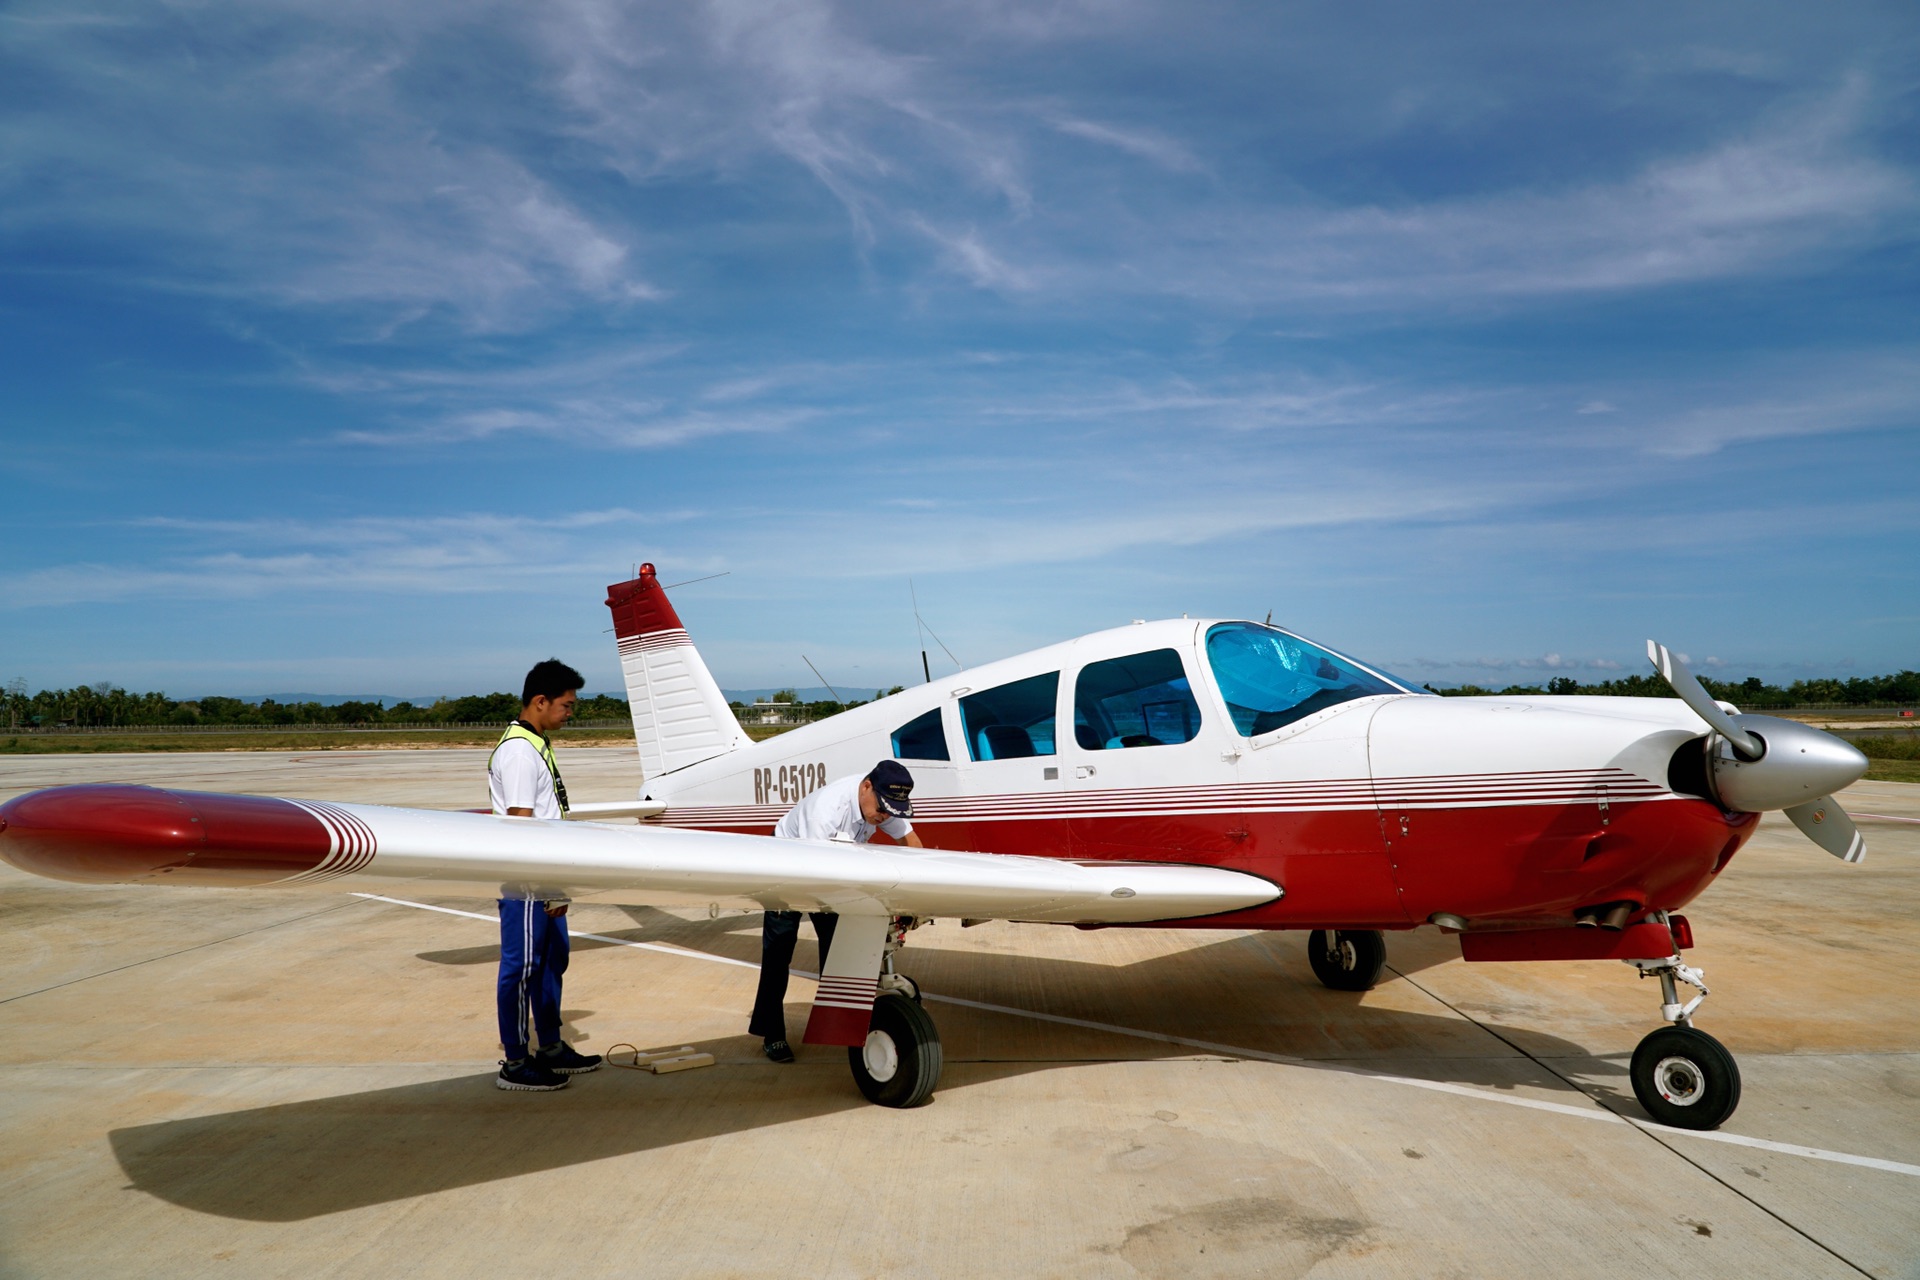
point(128, 834)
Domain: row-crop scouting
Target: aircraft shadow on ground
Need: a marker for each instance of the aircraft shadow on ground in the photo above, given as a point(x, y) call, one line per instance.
point(301, 1160)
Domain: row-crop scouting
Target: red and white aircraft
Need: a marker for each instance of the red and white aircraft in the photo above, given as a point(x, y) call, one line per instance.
point(1184, 773)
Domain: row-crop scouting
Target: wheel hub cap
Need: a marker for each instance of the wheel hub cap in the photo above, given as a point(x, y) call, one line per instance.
point(1679, 1081)
point(881, 1056)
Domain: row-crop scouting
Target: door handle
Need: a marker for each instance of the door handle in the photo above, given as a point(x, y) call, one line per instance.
point(1084, 771)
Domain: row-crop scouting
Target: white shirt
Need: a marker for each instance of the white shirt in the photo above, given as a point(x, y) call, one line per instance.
point(834, 810)
point(518, 779)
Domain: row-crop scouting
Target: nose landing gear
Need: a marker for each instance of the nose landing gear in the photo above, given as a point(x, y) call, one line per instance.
point(1682, 1075)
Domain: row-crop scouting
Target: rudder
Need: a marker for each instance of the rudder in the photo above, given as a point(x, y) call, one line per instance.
point(680, 717)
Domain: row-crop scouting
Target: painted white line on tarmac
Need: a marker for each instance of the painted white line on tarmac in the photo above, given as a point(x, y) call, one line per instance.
point(1594, 1112)
point(1885, 817)
point(597, 937)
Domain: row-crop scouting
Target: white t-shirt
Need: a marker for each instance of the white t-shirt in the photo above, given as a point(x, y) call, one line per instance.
point(518, 779)
point(834, 810)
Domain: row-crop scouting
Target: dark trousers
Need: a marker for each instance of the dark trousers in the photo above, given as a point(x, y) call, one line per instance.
point(533, 956)
point(777, 935)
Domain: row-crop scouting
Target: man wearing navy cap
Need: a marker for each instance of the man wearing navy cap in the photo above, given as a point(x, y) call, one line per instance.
point(848, 809)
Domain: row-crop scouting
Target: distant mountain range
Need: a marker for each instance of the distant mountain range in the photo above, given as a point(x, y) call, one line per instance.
point(818, 693)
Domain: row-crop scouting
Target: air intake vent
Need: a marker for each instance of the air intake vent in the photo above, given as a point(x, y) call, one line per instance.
point(1687, 770)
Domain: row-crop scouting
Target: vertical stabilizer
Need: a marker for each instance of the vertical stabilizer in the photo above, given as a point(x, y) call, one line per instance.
point(680, 717)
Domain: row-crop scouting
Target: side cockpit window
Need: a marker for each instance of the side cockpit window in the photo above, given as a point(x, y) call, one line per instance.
point(1011, 721)
point(1143, 700)
point(921, 738)
point(1270, 678)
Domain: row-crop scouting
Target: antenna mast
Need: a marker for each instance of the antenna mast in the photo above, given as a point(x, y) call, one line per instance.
point(822, 679)
point(919, 629)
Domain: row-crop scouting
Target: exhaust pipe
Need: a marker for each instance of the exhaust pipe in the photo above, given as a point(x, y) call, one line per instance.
point(1612, 916)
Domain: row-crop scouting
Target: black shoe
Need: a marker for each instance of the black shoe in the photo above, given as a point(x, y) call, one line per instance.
point(778, 1050)
point(562, 1060)
point(524, 1073)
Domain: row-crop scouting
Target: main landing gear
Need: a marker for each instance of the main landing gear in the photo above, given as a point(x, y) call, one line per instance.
point(1682, 1075)
point(900, 1063)
point(1347, 959)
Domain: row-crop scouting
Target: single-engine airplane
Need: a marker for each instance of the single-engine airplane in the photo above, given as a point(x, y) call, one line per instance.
point(1181, 773)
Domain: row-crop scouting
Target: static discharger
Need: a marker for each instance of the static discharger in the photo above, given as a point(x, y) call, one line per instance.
point(661, 1061)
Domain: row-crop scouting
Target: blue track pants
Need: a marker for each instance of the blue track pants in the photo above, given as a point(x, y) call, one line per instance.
point(533, 956)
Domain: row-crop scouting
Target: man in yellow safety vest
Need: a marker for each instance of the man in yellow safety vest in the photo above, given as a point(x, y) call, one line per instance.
point(525, 783)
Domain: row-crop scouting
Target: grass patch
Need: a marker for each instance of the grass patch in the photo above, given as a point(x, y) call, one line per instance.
point(1891, 757)
point(1890, 746)
point(1893, 771)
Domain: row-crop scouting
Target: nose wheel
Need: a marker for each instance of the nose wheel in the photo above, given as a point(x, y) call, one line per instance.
point(1685, 1078)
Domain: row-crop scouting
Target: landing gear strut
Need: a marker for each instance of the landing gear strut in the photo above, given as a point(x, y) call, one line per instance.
point(899, 1064)
point(1682, 1075)
point(1347, 959)
point(896, 939)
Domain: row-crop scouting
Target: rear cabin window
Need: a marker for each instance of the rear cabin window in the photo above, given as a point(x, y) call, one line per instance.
point(921, 738)
point(1270, 678)
point(1143, 700)
point(1011, 721)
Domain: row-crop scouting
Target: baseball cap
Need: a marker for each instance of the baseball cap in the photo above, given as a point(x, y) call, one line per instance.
point(893, 788)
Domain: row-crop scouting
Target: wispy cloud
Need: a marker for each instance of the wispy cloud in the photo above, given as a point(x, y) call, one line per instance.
point(470, 554)
point(1851, 393)
point(1161, 150)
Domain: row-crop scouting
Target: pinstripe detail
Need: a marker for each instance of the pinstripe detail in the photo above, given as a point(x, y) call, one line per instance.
point(522, 1013)
point(352, 843)
point(671, 639)
point(1442, 791)
point(847, 993)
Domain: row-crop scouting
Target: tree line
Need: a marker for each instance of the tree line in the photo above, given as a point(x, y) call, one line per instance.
point(1750, 694)
point(106, 706)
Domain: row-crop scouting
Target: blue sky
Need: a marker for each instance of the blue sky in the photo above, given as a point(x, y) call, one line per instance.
point(357, 347)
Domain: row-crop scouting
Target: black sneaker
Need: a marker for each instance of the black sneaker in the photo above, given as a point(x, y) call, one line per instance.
point(524, 1073)
point(778, 1050)
point(562, 1060)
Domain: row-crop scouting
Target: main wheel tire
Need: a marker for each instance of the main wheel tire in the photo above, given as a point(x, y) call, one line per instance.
point(1685, 1078)
point(900, 1063)
point(1347, 959)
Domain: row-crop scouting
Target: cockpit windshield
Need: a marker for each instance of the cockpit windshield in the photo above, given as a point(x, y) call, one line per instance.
point(1270, 678)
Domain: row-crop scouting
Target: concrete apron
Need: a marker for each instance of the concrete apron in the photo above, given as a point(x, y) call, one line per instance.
point(301, 1084)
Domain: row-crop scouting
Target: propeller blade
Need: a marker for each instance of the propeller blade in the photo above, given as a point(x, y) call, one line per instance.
point(1691, 692)
point(1825, 823)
